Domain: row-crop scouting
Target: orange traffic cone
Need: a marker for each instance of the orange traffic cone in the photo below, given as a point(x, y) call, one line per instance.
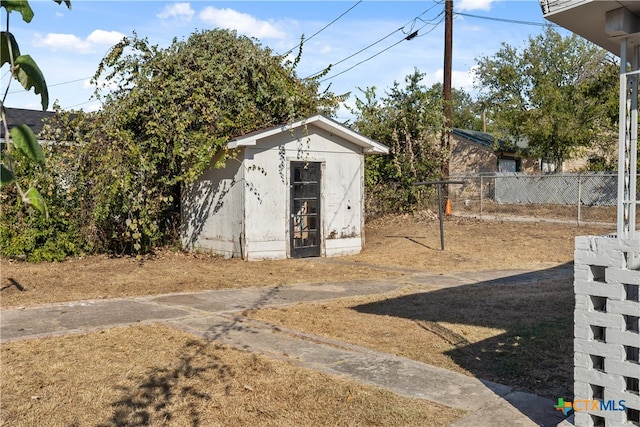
point(447, 208)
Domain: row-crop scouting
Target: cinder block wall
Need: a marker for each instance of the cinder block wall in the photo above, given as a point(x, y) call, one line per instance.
point(607, 340)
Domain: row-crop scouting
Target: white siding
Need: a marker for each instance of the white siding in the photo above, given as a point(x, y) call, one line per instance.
point(212, 211)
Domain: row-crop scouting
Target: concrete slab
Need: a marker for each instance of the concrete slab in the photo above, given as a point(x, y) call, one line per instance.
point(231, 300)
point(80, 316)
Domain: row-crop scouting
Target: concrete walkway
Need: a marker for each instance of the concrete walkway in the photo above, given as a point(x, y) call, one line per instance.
point(217, 315)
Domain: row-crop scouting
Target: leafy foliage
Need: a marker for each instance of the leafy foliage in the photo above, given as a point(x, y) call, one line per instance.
point(557, 93)
point(34, 236)
point(409, 120)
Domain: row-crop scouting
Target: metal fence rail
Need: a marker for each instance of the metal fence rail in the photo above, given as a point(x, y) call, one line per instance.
point(577, 198)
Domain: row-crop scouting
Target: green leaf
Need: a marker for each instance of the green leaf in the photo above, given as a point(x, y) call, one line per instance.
point(21, 6)
point(33, 197)
point(67, 2)
point(6, 38)
point(27, 142)
point(29, 75)
point(6, 176)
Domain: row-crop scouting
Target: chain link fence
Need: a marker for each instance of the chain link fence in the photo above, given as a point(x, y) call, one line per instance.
point(573, 198)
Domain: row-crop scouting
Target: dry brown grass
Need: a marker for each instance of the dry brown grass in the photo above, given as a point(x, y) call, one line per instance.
point(394, 241)
point(131, 377)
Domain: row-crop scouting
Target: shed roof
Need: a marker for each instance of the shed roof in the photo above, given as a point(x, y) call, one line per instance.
point(369, 145)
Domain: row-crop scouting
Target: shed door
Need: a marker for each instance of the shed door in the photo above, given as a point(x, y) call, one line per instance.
point(305, 209)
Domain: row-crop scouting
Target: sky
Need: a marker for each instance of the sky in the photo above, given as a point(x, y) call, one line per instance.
point(69, 44)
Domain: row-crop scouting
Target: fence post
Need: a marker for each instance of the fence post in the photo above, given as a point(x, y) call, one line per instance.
point(579, 197)
point(481, 196)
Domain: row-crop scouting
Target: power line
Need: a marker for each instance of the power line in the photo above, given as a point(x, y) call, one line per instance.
point(409, 37)
point(510, 21)
point(57, 84)
point(323, 28)
point(360, 51)
point(411, 34)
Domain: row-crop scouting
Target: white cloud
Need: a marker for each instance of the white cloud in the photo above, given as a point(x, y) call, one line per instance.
point(459, 79)
point(181, 11)
point(105, 38)
point(474, 5)
point(71, 42)
point(241, 22)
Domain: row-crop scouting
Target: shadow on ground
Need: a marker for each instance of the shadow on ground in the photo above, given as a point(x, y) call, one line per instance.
point(535, 352)
point(157, 393)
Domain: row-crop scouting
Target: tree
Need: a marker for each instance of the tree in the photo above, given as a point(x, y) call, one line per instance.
point(407, 119)
point(556, 93)
point(24, 69)
point(167, 114)
point(465, 111)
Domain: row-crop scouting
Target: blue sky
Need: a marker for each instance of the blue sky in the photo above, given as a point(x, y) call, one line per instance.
point(69, 44)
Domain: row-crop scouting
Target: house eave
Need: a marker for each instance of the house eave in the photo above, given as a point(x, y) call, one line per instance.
point(603, 23)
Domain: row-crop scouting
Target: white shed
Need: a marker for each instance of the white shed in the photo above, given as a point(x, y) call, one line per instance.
point(295, 190)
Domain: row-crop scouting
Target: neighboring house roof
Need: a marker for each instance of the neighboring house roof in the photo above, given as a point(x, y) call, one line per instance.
point(488, 141)
point(369, 145)
point(32, 118)
point(481, 138)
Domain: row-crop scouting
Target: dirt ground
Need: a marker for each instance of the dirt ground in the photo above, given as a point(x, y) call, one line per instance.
point(395, 245)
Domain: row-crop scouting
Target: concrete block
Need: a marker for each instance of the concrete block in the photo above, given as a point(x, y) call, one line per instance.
point(631, 308)
point(592, 258)
point(609, 351)
point(581, 272)
point(609, 320)
point(618, 245)
point(582, 419)
point(582, 331)
point(595, 377)
point(630, 400)
point(621, 275)
point(582, 303)
point(616, 336)
point(609, 290)
point(582, 360)
point(582, 390)
point(621, 368)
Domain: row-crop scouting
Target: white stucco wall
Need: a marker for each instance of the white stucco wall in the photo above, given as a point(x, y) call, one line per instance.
point(212, 211)
point(267, 192)
point(244, 209)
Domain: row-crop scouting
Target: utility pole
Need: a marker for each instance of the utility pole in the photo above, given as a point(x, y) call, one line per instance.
point(446, 85)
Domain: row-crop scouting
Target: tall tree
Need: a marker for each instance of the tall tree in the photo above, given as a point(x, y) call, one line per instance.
point(408, 119)
point(555, 93)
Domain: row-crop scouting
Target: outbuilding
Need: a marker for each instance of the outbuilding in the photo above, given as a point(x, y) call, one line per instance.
point(295, 190)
